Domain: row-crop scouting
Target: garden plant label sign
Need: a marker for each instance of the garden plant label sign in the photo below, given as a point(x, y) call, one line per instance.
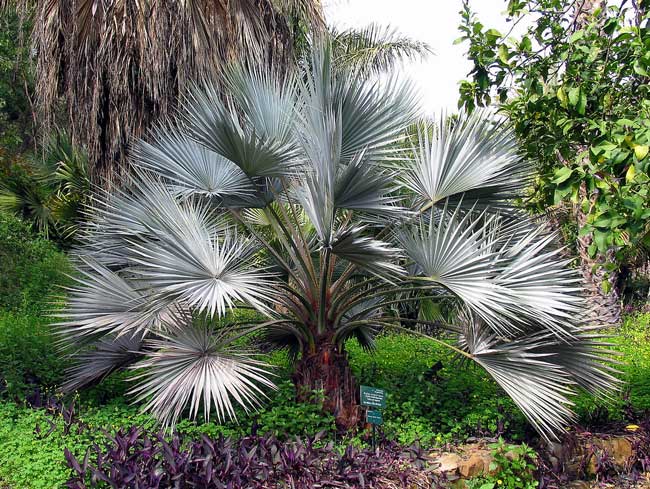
point(374, 417)
point(373, 397)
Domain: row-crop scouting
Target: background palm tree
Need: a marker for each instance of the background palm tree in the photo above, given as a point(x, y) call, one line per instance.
point(291, 197)
point(50, 191)
point(119, 65)
point(375, 48)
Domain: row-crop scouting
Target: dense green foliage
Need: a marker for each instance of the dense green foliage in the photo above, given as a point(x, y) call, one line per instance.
point(28, 360)
point(452, 404)
point(576, 88)
point(31, 268)
point(49, 190)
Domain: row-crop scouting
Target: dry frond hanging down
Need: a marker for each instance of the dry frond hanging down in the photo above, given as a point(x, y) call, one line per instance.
point(119, 65)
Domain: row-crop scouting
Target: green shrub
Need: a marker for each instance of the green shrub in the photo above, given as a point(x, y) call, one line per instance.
point(513, 468)
point(632, 340)
point(281, 415)
point(29, 460)
point(28, 358)
point(458, 402)
point(31, 268)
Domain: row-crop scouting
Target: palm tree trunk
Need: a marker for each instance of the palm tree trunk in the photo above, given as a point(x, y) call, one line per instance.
point(604, 299)
point(326, 368)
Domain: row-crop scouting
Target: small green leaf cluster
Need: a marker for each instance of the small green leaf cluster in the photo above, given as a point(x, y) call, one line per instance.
point(577, 91)
point(513, 467)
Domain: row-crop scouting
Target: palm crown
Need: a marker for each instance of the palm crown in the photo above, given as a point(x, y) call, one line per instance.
point(296, 195)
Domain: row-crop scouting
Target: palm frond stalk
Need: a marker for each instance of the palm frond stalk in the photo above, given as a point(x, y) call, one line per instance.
point(293, 196)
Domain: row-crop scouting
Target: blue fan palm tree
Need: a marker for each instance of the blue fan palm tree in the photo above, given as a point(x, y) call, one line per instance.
point(296, 196)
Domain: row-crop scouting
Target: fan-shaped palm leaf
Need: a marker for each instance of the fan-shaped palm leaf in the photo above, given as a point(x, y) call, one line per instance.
point(103, 357)
point(195, 365)
point(376, 256)
point(538, 386)
point(473, 156)
point(265, 151)
point(190, 168)
point(102, 302)
point(208, 273)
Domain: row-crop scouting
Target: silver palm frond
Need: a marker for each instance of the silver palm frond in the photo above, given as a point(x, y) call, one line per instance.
point(541, 371)
point(195, 365)
point(190, 168)
point(510, 276)
point(98, 360)
point(370, 114)
point(473, 156)
point(541, 279)
point(454, 250)
point(539, 387)
point(347, 127)
point(101, 302)
point(209, 273)
point(142, 210)
point(258, 140)
point(362, 186)
point(378, 257)
point(587, 356)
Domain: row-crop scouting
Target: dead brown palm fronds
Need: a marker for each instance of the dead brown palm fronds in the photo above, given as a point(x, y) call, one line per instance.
point(109, 68)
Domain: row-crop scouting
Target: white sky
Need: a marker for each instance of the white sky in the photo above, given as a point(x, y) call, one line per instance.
point(432, 21)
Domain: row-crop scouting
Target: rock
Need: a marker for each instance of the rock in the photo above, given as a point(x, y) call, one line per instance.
point(618, 448)
point(448, 463)
point(474, 466)
point(511, 455)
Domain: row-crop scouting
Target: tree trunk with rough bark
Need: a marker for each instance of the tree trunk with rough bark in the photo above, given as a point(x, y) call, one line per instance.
point(604, 299)
point(327, 369)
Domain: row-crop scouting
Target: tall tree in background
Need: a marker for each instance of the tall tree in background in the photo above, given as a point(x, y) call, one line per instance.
point(118, 65)
point(107, 69)
point(576, 87)
point(17, 124)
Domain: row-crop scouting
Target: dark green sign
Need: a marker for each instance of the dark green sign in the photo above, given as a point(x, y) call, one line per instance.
point(373, 397)
point(374, 417)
